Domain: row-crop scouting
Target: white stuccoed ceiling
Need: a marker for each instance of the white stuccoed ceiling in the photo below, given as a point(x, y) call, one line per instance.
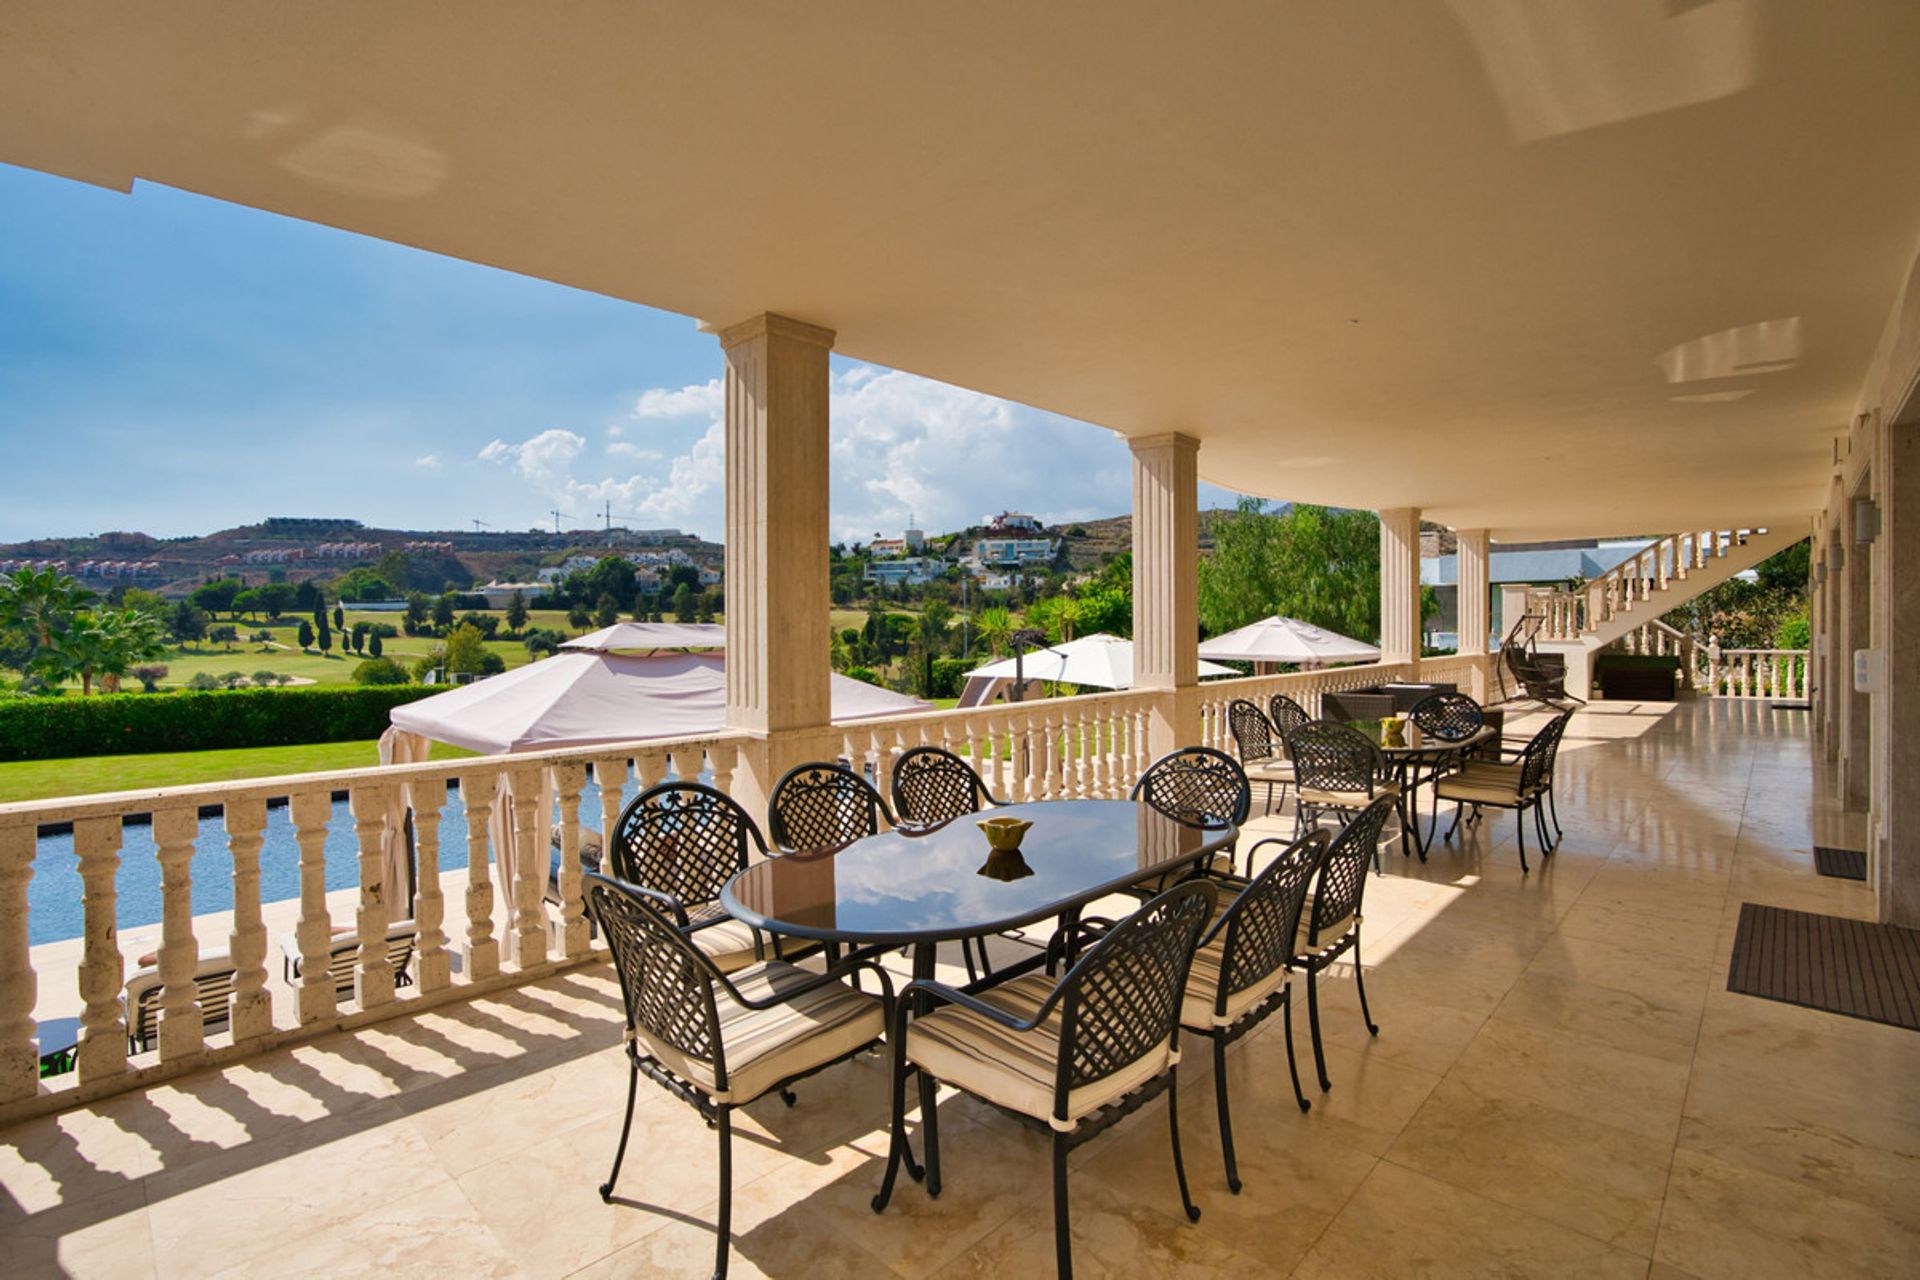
point(1547, 266)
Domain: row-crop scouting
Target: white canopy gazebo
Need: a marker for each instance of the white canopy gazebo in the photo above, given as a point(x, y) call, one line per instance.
point(1097, 661)
point(1278, 639)
point(583, 697)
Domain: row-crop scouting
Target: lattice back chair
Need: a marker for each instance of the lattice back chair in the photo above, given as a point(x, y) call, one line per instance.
point(1073, 1057)
point(1200, 786)
point(1242, 968)
point(1547, 778)
point(718, 1043)
point(1330, 923)
point(932, 785)
point(686, 840)
point(1259, 747)
point(820, 805)
point(1522, 784)
point(1337, 769)
point(1450, 717)
point(1286, 715)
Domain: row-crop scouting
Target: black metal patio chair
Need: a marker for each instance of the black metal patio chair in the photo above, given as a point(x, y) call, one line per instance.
point(1330, 924)
point(1337, 769)
point(1242, 969)
point(1197, 785)
point(1261, 756)
point(820, 805)
point(686, 840)
point(932, 785)
point(1286, 715)
point(1519, 784)
point(777, 1023)
point(1071, 1058)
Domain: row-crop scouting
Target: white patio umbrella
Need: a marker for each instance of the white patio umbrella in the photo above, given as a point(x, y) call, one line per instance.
point(1098, 661)
point(641, 636)
point(1278, 639)
point(579, 699)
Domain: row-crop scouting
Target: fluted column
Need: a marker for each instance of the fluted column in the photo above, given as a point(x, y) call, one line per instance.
point(1400, 585)
point(1166, 559)
point(777, 588)
point(19, 986)
point(1471, 601)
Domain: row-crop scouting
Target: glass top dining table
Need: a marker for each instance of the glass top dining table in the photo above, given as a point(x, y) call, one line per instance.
point(932, 884)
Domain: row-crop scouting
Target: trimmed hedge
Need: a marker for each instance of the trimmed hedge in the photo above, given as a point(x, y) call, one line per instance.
point(138, 723)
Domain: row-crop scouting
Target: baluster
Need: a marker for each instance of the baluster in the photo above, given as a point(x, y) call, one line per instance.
point(103, 1024)
point(250, 1015)
point(649, 769)
point(477, 791)
point(182, 1031)
point(19, 985)
point(1031, 761)
point(568, 781)
point(427, 797)
point(1102, 764)
point(722, 759)
point(1137, 748)
point(372, 971)
point(311, 811)
point(527, 935)
point(610, 774)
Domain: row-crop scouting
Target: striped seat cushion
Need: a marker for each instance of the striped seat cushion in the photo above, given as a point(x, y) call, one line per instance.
point(1272, 770)
point(1203, 989)
point(1017, 1069)
point(1305, 943)
point(765, 1046)
point(1469, 789)
point(729, 944)
point(1347, 799)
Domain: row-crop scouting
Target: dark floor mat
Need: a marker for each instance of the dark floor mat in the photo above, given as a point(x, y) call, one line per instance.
point(1841, 864)
point(1862, 970)
point(1790, 706)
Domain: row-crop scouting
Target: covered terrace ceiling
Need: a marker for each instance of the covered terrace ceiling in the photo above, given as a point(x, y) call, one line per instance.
point(1555, 267)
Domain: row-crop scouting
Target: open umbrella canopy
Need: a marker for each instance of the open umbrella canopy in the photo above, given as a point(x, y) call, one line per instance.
point(641, 636)
point(581, 698)
point(1280, 639)
point(1097, 661)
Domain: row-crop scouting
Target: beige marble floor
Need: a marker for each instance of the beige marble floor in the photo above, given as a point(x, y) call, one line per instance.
point(1562, 1086)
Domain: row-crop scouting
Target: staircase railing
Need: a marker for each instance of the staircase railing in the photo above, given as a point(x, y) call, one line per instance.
point(1567, 615)
point(1657, 639)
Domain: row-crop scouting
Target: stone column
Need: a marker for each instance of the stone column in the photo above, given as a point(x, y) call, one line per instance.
point(1472, 599)
point(1856, 712)
point(1400, 586)
point(1166, 586)
point(777, 587)
point(1897, 723)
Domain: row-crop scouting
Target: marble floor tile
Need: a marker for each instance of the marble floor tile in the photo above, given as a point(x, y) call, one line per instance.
point(1514, 1059)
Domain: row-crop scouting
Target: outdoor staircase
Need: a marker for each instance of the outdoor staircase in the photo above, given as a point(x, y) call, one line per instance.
point(1577, 624)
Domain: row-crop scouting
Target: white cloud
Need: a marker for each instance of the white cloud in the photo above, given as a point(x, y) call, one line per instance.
point(902, 446)
point(431, 461)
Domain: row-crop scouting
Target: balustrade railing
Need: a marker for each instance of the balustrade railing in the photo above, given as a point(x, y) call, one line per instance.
point(505, 927)
point(1773, 674)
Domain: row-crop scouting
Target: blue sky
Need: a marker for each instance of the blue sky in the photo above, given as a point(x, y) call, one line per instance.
point(174, 364)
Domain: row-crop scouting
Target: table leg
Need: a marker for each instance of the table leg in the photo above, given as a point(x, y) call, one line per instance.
point(923, 957)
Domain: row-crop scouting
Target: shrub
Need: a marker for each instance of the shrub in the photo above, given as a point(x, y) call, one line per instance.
point(202, 680)
point(485, 623)
point(116, 724)
point(149, 675)
point(267, 679)
point(866, 674)
point(380, 671)
point(233, 679)
point(947, 678)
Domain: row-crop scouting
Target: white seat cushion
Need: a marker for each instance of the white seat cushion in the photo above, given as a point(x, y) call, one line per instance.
point(1328, 935)
point(765, 1046)
point(1017, 1069)
point(728, 944)
point(1470, 789)
point(1270, 771)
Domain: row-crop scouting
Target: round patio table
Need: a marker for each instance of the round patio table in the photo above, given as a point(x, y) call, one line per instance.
point(1420, 750)
point(921, 886)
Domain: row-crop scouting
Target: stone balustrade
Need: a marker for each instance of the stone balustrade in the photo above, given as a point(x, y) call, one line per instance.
point(1092, 746)
point(1567, 615)
point(1778, 675)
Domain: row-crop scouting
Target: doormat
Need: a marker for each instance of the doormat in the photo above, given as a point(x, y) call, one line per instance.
point(1851, 967)
point(1841, 864)
point(1790, 706)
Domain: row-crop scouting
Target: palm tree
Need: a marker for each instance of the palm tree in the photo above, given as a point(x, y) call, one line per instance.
point(130, 637)
point(42, 603)
point(995, 628)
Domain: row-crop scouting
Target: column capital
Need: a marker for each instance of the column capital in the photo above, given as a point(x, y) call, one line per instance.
point(769, 324)
point(1164, 440)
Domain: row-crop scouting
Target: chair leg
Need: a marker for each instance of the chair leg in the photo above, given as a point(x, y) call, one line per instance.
point(1173, 1126)
point(930, 1126)
point(1313, 1024)
point(1293, 1068)
point(1520, 836)
point(1553, 807)
point(1062, 1230)
point(966, 952)
point(1226, 1115)
point(897, 1139)
point(1360, 985)
point(620, 1152)
point(725, 1225)
point(1458, 809)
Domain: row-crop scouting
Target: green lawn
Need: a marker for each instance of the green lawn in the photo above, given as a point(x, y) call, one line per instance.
point(85, 775)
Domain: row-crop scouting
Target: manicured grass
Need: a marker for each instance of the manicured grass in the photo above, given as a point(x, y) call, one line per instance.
point(87, 775)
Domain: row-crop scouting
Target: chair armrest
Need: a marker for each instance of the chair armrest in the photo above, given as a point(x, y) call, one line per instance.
point(955, 996)
point(833, 974)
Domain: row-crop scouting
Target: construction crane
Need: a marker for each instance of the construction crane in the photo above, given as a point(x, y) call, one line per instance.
point(607, 515)
point(558, 516)
point(478, 525)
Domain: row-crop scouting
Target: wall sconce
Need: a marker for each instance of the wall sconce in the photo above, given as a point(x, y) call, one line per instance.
point(1820, 573)
point(1866, 520)
point(1838, 556)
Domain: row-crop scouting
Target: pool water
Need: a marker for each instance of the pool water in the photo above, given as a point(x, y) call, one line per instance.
point(53, 895)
